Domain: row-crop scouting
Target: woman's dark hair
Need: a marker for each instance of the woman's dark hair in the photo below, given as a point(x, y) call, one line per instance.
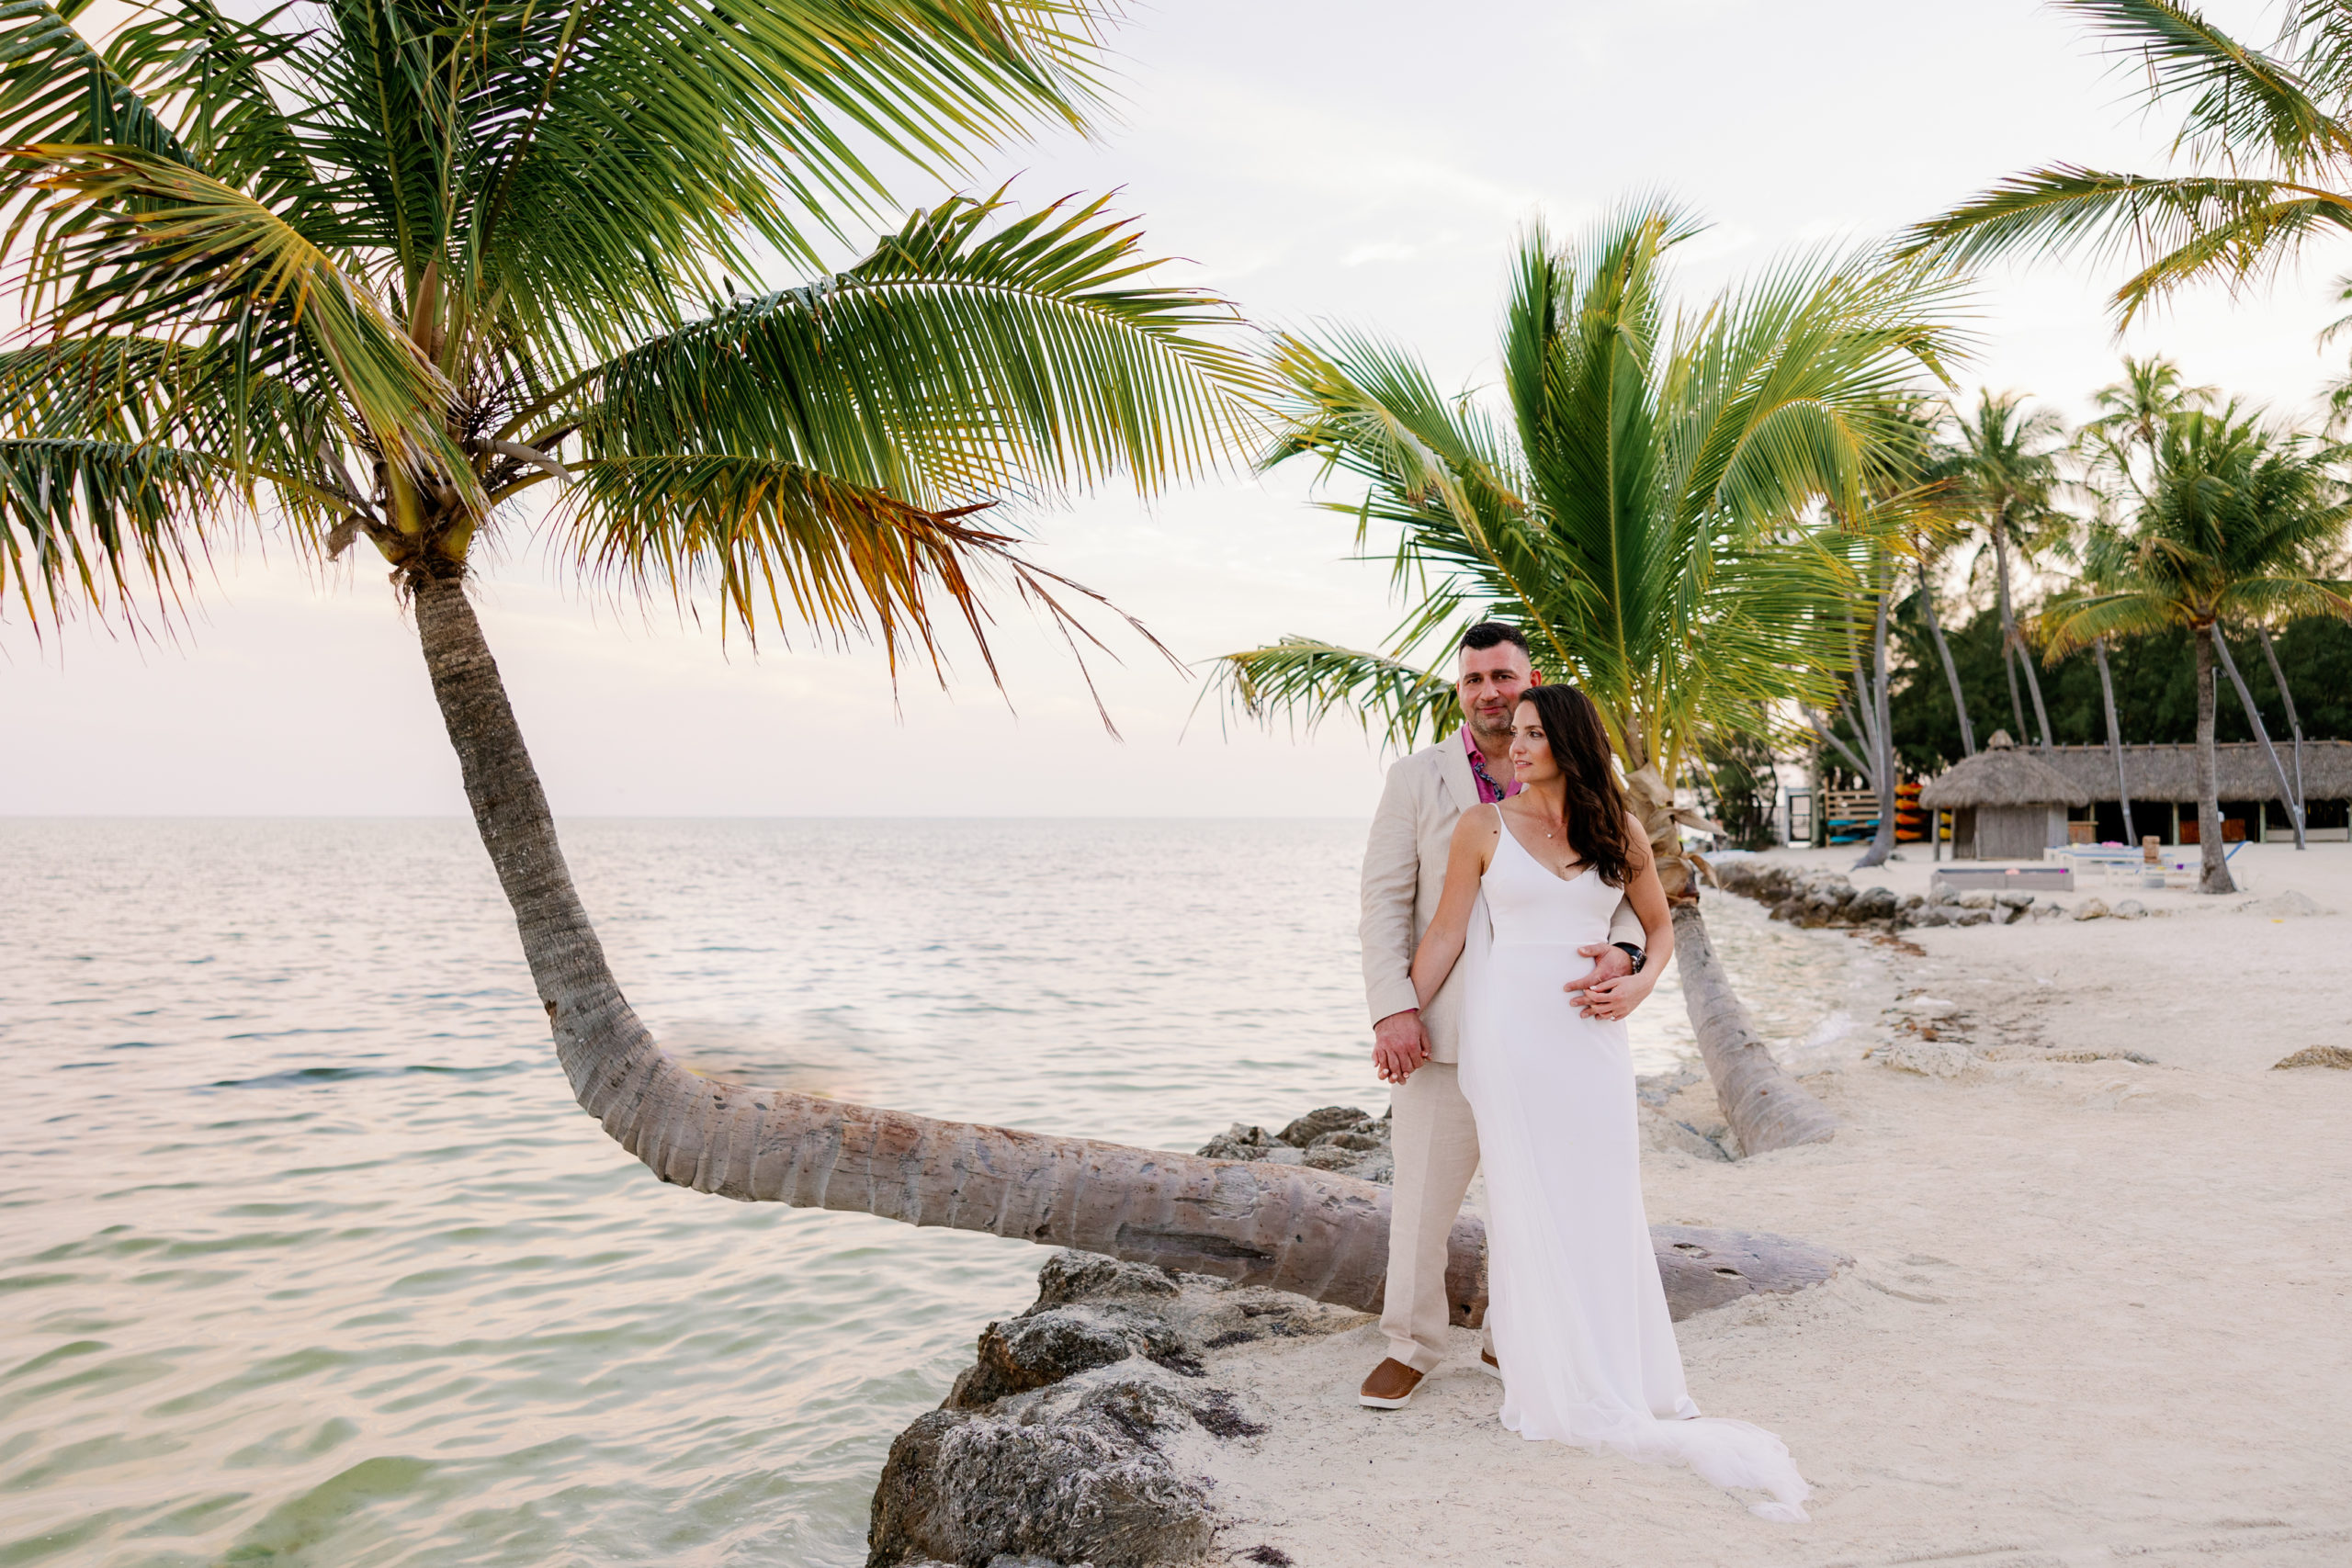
point(1597, 808)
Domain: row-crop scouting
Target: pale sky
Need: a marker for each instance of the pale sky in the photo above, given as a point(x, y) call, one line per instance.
point(1365, 161)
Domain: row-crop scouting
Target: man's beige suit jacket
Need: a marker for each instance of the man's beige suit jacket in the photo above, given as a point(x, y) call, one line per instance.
point(1404, 876)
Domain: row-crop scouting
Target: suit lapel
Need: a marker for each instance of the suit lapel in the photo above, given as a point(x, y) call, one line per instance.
point(1453, 767)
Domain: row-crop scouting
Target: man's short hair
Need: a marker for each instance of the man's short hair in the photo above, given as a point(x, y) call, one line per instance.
point(1494, 633)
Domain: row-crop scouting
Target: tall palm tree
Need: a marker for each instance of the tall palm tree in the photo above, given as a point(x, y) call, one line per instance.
point(376, 276)
point(1646, 505)
point(2003, 467)
point(2266, 132)
point(2118, 444)
point(2236, 513)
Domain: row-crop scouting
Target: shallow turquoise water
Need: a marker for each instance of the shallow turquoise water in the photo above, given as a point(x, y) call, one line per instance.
point(307, 1256)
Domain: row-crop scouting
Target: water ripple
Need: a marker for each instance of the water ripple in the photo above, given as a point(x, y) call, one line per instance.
point(311, 1258)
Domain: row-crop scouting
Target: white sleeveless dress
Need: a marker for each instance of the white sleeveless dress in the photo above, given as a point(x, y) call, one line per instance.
point(1580, 1317)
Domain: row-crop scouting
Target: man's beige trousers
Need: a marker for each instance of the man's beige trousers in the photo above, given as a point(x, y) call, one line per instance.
point(1436, 1148)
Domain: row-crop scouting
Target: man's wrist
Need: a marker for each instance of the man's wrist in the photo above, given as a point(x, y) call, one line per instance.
point(1633, 952)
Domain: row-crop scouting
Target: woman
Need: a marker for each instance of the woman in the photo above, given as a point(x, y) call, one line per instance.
point(1587, 1350)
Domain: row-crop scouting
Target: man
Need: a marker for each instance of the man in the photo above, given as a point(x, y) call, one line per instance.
point(1434, 1140)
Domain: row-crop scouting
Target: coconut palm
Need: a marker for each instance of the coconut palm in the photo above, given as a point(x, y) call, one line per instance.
point(2234, 516)
point(2267, 134)
point(2118, 446)
point(1646, 504)
point(1910, 515)
point(2120, 441)
point(2003, 469)
point(374, 279)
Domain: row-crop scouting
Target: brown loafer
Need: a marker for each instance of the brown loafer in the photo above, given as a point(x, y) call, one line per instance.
point(1487, 1363)
point(1390, 1387)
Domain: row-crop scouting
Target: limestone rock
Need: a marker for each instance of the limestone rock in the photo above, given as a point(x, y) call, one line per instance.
point(1030, 1352)
point(1976, 898)
point(1068, 1480)
point(2091, 909)
point(1873, 904)
point(1087, 1277)
point(2130, 909)
point(1315, 1123)
point(1929, 1058)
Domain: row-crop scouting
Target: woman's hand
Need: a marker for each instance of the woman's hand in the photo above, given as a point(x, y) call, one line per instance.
point(1615, 998)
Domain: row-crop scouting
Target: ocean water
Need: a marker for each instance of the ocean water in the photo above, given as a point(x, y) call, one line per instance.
point(307, 1257)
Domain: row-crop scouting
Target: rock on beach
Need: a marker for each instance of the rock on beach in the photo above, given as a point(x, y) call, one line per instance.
point(1085, 1431)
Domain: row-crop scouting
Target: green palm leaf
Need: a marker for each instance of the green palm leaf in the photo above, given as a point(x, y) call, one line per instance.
point(1026, 357)
point(1652, 511)
point(2278, 124)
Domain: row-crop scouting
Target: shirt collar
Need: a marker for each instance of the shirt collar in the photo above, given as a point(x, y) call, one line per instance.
point(1488, 790)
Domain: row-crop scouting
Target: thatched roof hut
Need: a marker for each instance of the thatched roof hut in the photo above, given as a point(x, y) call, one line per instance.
point(2169, 772)
point(2005, 804)
point(2004, 775)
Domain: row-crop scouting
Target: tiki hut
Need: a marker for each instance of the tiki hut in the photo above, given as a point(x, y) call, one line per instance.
point(2005, 804)
point(2162, 781)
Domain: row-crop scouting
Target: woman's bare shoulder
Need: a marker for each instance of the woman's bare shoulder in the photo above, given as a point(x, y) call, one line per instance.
point(1479, 825)
point(1474, 837)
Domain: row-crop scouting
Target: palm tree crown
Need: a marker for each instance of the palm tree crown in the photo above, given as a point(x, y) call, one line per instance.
point(1641, 507)
point(2237, 526)
point(387, 273)
point(2235, 523)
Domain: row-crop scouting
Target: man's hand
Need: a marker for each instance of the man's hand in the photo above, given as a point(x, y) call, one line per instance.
point(1399, 1044)
point(1608, 963)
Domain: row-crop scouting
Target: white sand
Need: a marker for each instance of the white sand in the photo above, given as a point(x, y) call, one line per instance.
point(2101, 1311)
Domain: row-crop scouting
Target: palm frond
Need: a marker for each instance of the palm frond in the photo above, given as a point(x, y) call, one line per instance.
point(85, 519)
point(2241, 96)
point(784, 545)
point(1306, 682)
point(968, 356)
point(2180, 229)
point(143, 245)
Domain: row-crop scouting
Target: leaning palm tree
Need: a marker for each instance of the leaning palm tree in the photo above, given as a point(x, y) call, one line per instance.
point(2267, 134)
point(2234, 516)
point(2003, 468)
point(1649, 505)
point(374, 279)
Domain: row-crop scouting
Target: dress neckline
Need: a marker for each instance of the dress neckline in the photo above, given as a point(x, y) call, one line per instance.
point(1502, 825)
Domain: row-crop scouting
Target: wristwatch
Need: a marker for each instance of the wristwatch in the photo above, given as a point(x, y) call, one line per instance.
point(1635, 953)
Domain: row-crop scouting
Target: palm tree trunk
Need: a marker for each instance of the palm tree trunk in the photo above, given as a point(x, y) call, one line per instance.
point(1877, 735)
point(1765, 1107)
point(2216, 874)
point(2294, 724)
point(2013, 644)
point(2008, 628)
point(2253, 717)
point(1943, 652)
point(2114, 737)
point(1287, 1226)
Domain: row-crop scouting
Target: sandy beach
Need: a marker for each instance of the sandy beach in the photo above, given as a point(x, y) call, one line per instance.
point(2098, 1307)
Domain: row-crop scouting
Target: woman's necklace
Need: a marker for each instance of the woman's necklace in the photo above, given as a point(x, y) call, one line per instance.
point(1574, 859)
